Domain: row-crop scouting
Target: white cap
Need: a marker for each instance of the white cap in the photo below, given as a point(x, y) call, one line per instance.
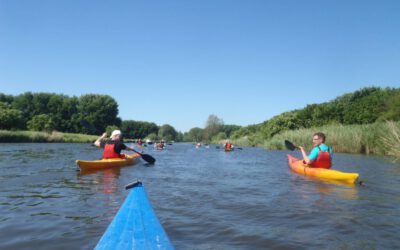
point(115, 132)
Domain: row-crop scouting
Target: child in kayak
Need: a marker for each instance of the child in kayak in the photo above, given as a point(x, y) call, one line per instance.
point(321, 155)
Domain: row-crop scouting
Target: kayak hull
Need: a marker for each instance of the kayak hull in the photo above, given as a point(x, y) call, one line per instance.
point(299, 167)
point(130, 159)
point(135, 226)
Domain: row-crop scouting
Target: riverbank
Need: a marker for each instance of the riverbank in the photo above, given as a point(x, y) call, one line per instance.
point(381, 138)
point(35, 136)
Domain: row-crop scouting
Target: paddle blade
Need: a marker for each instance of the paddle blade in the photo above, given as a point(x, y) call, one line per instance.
point(290, 145)
point(148, 158)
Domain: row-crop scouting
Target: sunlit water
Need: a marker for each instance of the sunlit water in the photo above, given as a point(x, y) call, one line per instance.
point(205, 199)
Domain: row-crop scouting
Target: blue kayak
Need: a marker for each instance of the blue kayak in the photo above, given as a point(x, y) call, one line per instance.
point(135, 226)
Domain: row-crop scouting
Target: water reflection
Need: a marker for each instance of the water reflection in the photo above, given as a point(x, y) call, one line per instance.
point(329, 188)
point(105, 178)
point(343, 191)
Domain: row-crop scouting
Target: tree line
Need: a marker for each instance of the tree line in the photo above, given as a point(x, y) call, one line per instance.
point(93, 114)
point(87, 114)
point(214, 131)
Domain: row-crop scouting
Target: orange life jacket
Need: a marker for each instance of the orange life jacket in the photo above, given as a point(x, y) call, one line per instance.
point(228, 146)
point(323, 160)
point(109, 152)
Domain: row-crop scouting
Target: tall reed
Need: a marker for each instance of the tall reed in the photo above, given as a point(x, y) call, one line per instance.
point(378, 138)
point(391, 139)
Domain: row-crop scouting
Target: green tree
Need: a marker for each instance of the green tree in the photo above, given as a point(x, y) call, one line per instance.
point(152, 137)
point(279, 123)
point(221, 136)
point(179, 137)
point(229, 129)
point(10, 118)
point(63, 110)
point(41, 122)
point(24, 103)
point(167, 132)
point(391, 107)
point(6, 98)
point(194, 135)
point(213, 127)
point(138, 129)
point(98, 110)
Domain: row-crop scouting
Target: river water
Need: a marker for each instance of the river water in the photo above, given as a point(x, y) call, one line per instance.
point(205, 199)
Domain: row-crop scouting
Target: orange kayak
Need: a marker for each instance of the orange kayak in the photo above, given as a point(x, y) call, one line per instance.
point(299, 167)
point(130, 159)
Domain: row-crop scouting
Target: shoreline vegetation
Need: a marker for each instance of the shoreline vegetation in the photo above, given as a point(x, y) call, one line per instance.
point(381, 138)
point(36, 136)
point(362, 122)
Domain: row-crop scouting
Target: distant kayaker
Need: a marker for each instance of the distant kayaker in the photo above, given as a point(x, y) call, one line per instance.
point(139, 142)
point(228, 146)
point(113, 147)
point(321, 155)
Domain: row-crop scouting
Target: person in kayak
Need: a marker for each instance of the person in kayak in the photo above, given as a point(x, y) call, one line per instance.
point(113, 147)
point(228, 146)
point(321, 155)
point(139, 142)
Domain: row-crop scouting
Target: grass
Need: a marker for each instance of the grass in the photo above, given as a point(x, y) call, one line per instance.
point(35, 136)
point(391, 140)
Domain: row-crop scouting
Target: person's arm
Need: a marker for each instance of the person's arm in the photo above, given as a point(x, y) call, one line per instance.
point(305, 156)
point(98, 141)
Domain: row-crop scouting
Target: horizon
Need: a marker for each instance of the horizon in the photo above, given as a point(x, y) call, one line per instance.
point(179, 62)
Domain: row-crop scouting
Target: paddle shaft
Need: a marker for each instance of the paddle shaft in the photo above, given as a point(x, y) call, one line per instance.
point(150, 159)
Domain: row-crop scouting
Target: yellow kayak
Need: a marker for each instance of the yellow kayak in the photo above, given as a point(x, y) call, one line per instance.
point(130, 159)
point(321, 173)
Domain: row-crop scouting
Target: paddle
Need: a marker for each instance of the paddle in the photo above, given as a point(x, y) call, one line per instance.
point(289, 145)
point(150, 159)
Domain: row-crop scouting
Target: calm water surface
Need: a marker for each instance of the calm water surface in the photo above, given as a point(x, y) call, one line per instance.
point(205, 199)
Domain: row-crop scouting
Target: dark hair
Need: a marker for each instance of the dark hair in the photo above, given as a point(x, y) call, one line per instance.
point(320, 135)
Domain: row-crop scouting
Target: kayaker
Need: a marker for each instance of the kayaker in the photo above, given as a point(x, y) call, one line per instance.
point(113, 147)
point(228, 146)
point(321, 155)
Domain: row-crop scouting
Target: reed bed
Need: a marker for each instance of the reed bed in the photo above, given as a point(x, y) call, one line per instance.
point(378, 138)
point(391, 140)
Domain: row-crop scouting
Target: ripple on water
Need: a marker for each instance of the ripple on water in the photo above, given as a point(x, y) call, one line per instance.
point(205, 199)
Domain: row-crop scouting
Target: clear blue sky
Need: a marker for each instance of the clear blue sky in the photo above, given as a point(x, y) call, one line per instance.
point(177, 62)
